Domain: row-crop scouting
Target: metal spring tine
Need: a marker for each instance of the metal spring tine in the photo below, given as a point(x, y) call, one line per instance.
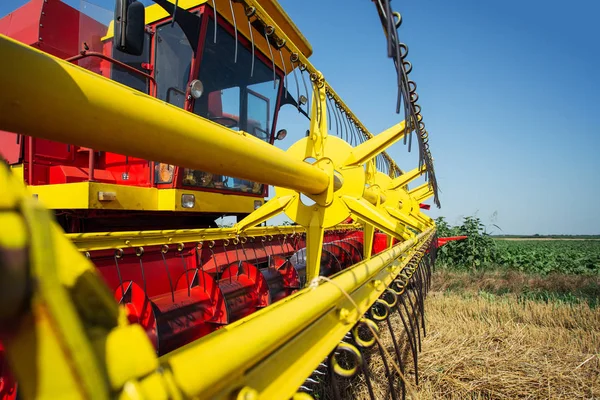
point(234, 31)
point(284, 73)
point(317, 372)
point(367, 373)
point(249, 14)
point(337, 128)
point(360, 134)
point(216, 23)
point(212, 252)
point(322, 365)
point(414, 315)
point(387, 371)
point(302, 68)
point(253, 248)
point(244, 250)
point(199, 265)
point(398, 356)
point(334, 380)
point(342, 126)
point(283, 244)
point(174, 13)
point(357, 132)
point(225, 243)
point(347, 128)
point(305, 389)
point(267, 28)
point(119, 254)
point(410, 334)
point(352, 131)
point(187, 278)
point(239, 259)
point(163, 251)
point(140, 252)
point(310, 380)
point(422, 301)
point(328, 102)
point(296, 78)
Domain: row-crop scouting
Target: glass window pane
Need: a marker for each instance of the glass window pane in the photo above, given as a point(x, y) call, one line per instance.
point(173, 64)
point(234, 96)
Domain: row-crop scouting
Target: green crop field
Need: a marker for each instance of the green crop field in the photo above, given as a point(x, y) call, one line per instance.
point(549, 256)
point(481, 251)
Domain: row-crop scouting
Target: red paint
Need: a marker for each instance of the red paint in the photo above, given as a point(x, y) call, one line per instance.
point(8, 385)
point(245, 290)
point(380, 243)
point(444, 240)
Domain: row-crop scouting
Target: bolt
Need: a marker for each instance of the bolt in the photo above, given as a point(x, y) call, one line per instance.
point(247, 393)
point(344, 315)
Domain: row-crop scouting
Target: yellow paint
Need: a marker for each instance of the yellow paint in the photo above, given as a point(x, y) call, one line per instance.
point(407, 177)
point(18, 171)
point(155, 13)
point(170, 200)
point(121, 240)
point(85, 195)
point(122, 120)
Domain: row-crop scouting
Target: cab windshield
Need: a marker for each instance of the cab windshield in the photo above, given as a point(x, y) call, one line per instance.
point(238, 95)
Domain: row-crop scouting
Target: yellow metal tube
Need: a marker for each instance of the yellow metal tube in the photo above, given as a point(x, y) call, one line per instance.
point(62, 102)
point(374, 146)
point(407, 177)
point(373, 195)
point(419, 190)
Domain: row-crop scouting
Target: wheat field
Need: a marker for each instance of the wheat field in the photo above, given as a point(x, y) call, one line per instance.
point(481, 346)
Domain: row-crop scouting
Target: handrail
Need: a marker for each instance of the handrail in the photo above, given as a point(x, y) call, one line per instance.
point(84, 54)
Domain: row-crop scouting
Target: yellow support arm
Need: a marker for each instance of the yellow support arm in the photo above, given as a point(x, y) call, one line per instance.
point(407, 177)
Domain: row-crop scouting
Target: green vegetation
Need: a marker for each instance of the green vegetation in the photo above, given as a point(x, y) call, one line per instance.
point(480, 251)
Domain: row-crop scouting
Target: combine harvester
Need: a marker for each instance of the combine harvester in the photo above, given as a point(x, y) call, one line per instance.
point(140, 129)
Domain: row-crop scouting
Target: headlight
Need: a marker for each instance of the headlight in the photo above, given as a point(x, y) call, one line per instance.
point(188, 200)
point(164, 173)
point(196, 88)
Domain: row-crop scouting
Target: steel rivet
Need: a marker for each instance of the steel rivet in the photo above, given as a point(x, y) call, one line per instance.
point(344, 315)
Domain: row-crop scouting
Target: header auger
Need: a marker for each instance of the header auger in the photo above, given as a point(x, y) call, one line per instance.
point(164, 121)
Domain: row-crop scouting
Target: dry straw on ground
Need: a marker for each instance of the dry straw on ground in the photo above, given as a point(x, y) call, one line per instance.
point(499, 348)
point(477, 348)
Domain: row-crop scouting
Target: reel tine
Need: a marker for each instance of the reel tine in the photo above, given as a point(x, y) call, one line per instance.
point(118, 255)
point(267, 34)
point(140, 252)
point(249, 13)
point(216, 23)
point(180, 248)
point(285, 75)
point(410, 333)
point(164, 249)
point(235, 32)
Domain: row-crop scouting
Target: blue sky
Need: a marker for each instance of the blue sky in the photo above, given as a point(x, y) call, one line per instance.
point(509, 92)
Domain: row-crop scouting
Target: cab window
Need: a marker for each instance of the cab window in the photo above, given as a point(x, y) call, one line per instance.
point(235, 96)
